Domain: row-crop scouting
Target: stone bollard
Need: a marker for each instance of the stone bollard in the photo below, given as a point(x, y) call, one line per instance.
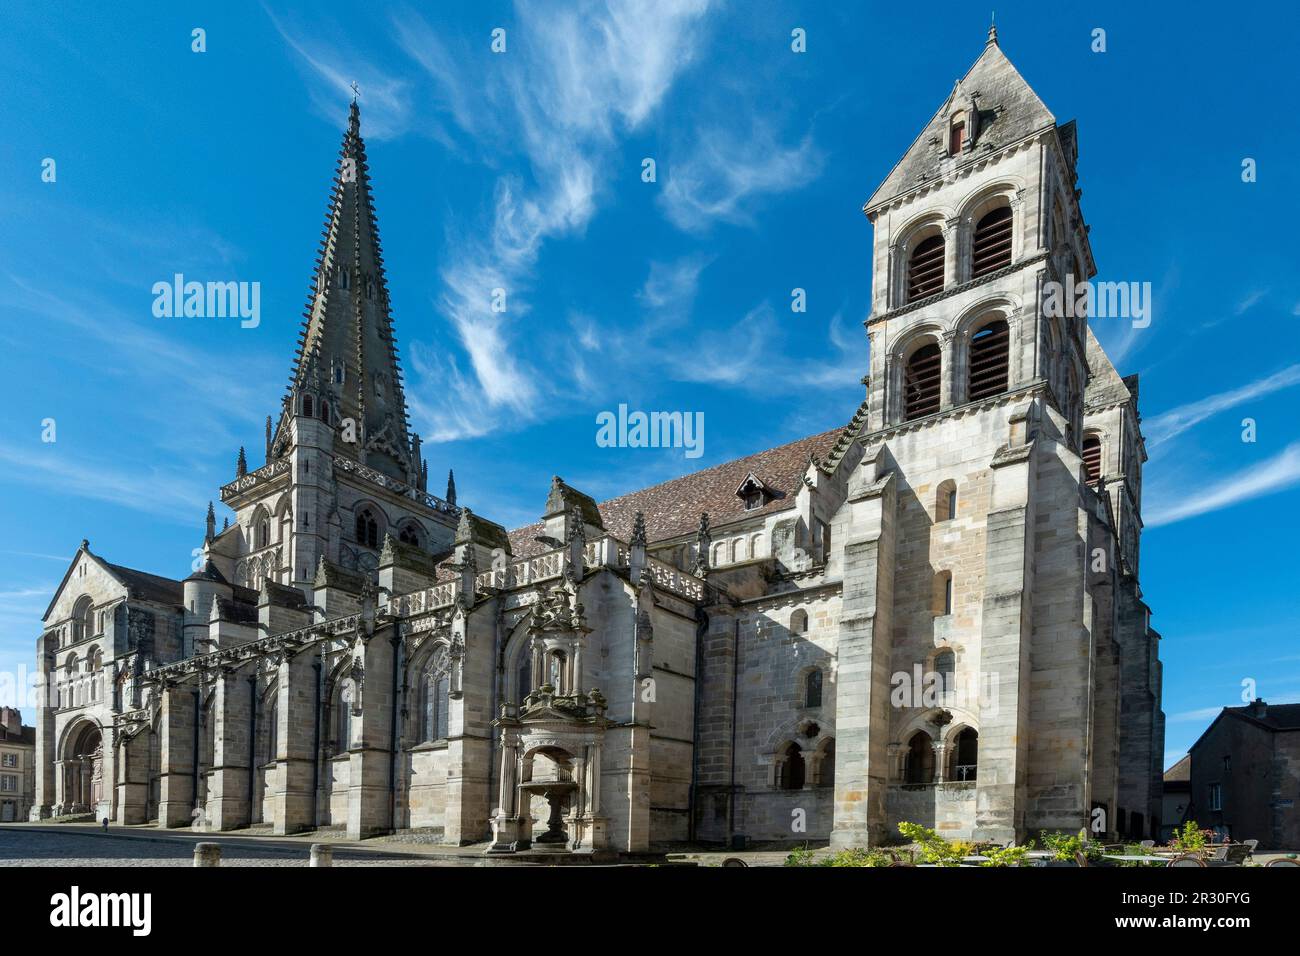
point(207, 854)
point(321, 855)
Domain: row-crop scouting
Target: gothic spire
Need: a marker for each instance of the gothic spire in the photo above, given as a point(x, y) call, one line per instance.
point(211, 524)
point(451, 487)
point(346, 350)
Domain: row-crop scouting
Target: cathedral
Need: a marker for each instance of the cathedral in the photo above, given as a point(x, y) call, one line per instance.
point(931, 614)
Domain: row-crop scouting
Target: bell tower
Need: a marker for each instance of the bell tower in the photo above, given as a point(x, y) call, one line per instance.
point(979, 213)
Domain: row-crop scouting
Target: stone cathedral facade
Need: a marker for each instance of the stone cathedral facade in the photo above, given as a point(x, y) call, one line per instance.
point(930, 614)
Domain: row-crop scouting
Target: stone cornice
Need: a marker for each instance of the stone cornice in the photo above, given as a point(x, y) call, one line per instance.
point(957, 289)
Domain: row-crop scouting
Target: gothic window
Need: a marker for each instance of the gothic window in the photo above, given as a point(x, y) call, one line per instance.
point(945, 503)
point(1092, 458)
point(989, 360)
point(799, 622)
point(338, 374)
point(789, 768)
point(307, 407)
point(812, 688)
point(918, 766)
point(435, 689)
point(325, 412)
point(967, 757)
point(263, 535)
point(945, 668)
point(921, 380)
point(991, 243)
point(343, 278)
point(409, 534)
point(367, 529)
point(925, 268)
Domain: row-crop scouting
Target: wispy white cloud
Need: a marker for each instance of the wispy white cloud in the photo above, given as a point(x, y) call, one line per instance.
point(170, 494)
point(1161, 428)
point(1201, 713)
point(720, 179)
point(1277, 473)
point(1248, 300)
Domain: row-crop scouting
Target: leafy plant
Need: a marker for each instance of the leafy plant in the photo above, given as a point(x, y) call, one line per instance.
point(1005, 856)
point(1191, 838)
point(802, 857)
point(857, 856)
point(1063, 847)
point(934, 848)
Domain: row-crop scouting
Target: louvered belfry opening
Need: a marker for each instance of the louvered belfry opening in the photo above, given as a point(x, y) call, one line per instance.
point(925, 269)
point(921, 379)
point(991, 246)
point(988, 360)
point(1092, 458)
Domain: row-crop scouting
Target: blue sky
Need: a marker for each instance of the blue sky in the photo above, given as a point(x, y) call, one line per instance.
point(523, 170)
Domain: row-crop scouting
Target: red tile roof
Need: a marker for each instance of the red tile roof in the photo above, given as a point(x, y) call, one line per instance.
point(673, 507)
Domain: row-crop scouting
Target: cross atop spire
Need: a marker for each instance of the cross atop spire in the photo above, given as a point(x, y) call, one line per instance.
point(993, 29)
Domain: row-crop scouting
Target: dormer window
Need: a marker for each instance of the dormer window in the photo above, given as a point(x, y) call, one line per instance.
point(753, 493)
point(956, 133)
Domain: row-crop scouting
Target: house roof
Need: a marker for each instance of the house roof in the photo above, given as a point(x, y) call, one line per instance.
point(140, 584)
point(1009, 110)
point(673, 508)
point(1271, 717)
point(1181, 771)
point(26, 735)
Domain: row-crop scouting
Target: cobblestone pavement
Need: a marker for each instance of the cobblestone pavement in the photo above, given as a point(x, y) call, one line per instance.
point(21, 846)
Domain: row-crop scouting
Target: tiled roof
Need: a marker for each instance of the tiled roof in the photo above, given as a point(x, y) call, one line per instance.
point(673, 508)
point(27, 735)
point(1180, 771)
point(1275, 716)
point(150, 587)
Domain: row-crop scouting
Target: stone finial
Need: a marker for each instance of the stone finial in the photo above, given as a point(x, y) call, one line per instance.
point(703, 545)
point(211, 524)
point(268, 438)
point(451, 487)
point(993, 31)
point(638, 530)
point(241, 464)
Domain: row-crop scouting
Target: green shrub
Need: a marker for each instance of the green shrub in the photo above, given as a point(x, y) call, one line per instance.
point(1191, 839)
point(934, 848)
point(1005, 856)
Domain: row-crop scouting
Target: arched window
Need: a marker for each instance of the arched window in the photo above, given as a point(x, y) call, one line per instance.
point(789, 768)
point(325, 412)
point(83, 619)
point(925, 268)
point(367, 529)
point(919, 761)
point(434, 695)
point(991, 242)
point(272, 720)
point(945, 674)
point(826, 765)
point(921, 381)
point(956, 132)
point(409, 534)
point(989, 350)
point(799, 622)
point(945, 501)
point(343, 715)
point(307, 406)
point(555, 671)
point(966, 759)
point(719, 554)
point(524, 675)
point(262, 536)
point(812, 688)
point(942, 593)
point(1092, 458)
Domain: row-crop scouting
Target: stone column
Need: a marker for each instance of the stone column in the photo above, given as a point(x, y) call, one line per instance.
point(292, 798)
point(1004, 657)
point(940, 762)
point(862, 711)
point(227, 803)
point(369, 793)
point(133, 779)
point(176, 756)
point(46, 765)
